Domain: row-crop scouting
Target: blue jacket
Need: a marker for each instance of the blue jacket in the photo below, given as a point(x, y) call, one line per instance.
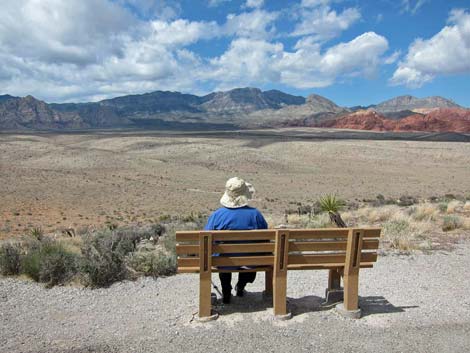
point(243, 218)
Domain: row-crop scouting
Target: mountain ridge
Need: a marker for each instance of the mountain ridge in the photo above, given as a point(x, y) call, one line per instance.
point(247, 107)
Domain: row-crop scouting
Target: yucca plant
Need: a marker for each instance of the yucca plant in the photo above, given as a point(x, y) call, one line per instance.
point(333, 205)
point(37, 233)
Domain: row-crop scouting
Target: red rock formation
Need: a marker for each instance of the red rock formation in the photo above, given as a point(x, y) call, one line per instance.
point(438, 120)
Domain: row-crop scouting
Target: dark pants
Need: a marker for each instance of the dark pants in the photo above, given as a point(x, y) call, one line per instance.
point(243, 279)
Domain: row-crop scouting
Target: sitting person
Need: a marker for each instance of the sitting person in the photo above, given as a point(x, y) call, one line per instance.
point(236, 215)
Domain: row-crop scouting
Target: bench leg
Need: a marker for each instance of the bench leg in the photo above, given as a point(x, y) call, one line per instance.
point(205, 277)
point(268, 286)
point(204, 296)
point(334, 280)
point(351, 288)
point(279, 295)
point(350, 307)
point(334, 292)
point(280, 276)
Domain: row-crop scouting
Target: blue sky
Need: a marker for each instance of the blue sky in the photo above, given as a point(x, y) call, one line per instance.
point(353, 52)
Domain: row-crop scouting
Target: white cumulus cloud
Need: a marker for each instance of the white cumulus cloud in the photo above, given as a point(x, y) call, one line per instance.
point(307, 66)
point(254, 3)
point(85, 50)
point(446, 53)
point(255, 24)
point(325, 23)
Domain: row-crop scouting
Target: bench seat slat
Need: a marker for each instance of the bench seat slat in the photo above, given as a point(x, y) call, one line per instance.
point(215, 269)
point(330, 233)
point(187, 249)
point(242, 260)
point(190, 236)
point(228, 261)
point(267, 268)
point(227, 248)
point(339, 245)
point(327, 258)
point(325, 266)
point(243, 248)
point(243, 235)
point(187, 236)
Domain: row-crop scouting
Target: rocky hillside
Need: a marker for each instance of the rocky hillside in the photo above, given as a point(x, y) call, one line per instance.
point(438, 120)
point(237, 108)
point(401, 103)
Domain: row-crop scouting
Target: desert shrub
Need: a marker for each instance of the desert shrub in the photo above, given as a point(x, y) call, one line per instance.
point(169, 242)
point(103, 258)
point(379, 214)
point(10, 259)
point(57, 266)
point(466, 223)
point(331, 203)
point(49, 262)
point(153, 263)
point(321, 220)
point(451, 222)
point(407, 200)
point(453, 206)
point(442, 206)
point(425, 211)
point(398, 233)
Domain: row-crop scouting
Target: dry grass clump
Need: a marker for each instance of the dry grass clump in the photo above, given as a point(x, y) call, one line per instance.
point(398, 234)
point(466, 206)
point(404, 233)
point(153, 263)
point(454, 206)
point(424, 211)
point(451, 222)
point(466, 223)
point(321, 220)
point(378, 214)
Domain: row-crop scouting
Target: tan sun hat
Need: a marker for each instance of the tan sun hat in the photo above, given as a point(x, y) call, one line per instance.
point(237, 193)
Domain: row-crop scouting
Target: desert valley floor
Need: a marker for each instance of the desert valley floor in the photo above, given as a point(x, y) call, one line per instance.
point(77, 179)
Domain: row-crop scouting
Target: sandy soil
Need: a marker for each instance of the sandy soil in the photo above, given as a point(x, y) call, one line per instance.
point(416, 303)
point(72, 180)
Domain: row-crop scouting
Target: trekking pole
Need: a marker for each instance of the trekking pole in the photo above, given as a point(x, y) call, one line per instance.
point(217, 289)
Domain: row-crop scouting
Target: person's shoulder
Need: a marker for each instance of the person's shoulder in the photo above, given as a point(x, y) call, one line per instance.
point(253, 210)
point(220, 210)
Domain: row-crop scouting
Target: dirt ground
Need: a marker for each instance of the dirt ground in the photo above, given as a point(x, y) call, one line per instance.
point(415, 303)
point(57, 181)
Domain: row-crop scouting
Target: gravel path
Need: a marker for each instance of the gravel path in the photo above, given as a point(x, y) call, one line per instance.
point(418, 303)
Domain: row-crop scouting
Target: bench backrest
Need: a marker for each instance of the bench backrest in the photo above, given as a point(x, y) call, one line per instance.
point(297, 249)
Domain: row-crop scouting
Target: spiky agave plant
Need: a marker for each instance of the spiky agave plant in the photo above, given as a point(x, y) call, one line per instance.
point(333, 205)
point(37, 233)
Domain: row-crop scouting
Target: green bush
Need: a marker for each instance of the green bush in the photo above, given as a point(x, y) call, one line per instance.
point(169, 242)
point(443, 206)
point(57, 266)
point(153, 263)
point(103, 258)
point(10, 259)
point(398, 233)
point(49, 262)
point(451, 222)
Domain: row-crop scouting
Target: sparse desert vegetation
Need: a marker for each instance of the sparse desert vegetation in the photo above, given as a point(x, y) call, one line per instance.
point(93, 208)
point(98, 258)
point(95, 259)
point(86, 181)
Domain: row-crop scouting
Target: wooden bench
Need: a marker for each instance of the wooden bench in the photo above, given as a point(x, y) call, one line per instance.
point(342, 251)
